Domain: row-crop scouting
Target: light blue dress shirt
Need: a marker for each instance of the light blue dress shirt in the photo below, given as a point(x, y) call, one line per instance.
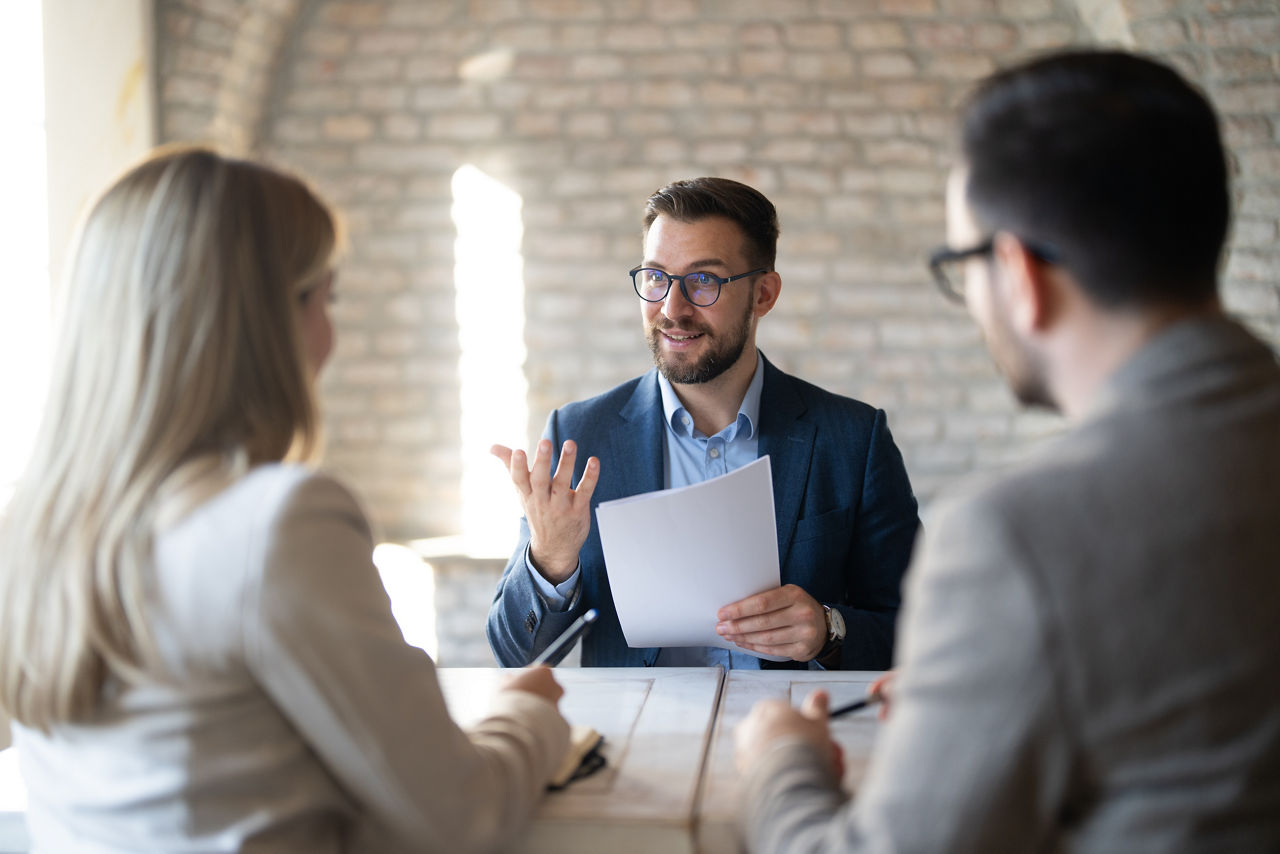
point(690, 457)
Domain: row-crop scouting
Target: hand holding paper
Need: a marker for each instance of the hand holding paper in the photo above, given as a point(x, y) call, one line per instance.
point(677, 556)
point(785, 621)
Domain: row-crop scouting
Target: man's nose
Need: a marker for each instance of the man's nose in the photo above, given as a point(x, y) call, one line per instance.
point(676, 304)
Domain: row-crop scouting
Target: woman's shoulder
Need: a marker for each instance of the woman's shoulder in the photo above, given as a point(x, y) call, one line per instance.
point(243, 515)
point(273, 489)
point(263, 528)
point(289, 496)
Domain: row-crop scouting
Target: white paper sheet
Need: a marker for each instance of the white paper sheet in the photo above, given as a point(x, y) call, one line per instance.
point(677, 556)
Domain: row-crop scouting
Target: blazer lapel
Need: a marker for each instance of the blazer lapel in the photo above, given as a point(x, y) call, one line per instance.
point(635, 441)
point(635, 449)
point(788, 441)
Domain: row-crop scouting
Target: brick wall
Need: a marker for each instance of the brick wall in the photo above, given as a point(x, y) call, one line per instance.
point(842, 111)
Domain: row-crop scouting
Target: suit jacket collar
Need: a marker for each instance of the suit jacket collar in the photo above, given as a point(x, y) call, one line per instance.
point(784, 435)
point(1191, 358)
point(638, 437)
point(787, 437)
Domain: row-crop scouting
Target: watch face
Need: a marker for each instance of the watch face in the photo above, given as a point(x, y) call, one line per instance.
point(837, 623)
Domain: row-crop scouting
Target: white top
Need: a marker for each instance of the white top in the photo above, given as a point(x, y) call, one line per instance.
point(298, 719)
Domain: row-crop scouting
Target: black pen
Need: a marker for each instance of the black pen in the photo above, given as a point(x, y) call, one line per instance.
point(570, 635)
point(856, 705)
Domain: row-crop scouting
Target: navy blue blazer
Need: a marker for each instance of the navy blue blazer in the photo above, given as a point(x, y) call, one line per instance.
point(846, 516)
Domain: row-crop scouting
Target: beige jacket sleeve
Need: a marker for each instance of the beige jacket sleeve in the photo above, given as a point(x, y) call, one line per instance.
point(322, 641)
point(974, 757)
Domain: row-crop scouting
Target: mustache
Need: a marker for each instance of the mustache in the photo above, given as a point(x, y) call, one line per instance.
point(665, 323)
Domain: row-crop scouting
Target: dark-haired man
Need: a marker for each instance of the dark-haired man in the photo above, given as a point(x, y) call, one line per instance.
point(846, 515)
point(1090, 642)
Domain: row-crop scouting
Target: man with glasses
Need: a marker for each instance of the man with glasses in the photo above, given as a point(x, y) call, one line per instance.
point(1090, 641)
point(846, 515)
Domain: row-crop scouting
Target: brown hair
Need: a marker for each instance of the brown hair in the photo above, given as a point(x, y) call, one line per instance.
point(698, 198)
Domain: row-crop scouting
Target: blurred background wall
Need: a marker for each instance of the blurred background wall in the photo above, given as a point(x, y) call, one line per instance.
point(492, 157)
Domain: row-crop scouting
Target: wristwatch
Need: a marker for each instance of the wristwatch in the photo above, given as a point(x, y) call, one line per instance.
point(835, 624)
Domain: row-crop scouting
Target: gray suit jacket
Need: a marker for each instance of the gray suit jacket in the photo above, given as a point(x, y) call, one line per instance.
point(1090, 649)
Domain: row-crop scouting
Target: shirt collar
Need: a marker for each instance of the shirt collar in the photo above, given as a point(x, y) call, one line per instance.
point(673, 410)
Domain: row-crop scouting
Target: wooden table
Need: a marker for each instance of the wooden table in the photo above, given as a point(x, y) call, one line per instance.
point(656, 723)
point(670, 786)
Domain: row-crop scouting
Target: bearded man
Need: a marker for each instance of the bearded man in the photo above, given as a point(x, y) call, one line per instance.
point(846, 515)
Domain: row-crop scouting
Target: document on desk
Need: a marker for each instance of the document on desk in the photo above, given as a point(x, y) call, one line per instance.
point(677, 556)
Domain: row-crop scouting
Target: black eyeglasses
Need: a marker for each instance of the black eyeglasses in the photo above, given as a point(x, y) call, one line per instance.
point(701, 289)
point(944, 263)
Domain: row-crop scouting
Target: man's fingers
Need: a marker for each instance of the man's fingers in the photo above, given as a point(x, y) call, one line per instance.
point(764, 636)
point(519, 468)
point(760, 603)
point(590, 477)
point(791, 620)
point(536, 476)
point(788, 650)
point(540, 471)
point(562, 483)
point(883, 685)
point(774, 636)
point(773, 645)
point(884, 688)
point(816, 705)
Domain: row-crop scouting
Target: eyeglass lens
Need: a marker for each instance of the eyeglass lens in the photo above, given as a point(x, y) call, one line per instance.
point(700, 288)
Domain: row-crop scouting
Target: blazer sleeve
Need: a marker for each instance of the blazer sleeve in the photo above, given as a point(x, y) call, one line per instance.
point(884, 532)
point(321, 640)
point(520, 624)
point(975, 756)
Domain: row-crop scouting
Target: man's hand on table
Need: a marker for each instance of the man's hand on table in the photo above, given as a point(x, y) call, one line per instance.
point(785, 621)
point(559, 515)
point(770, 721)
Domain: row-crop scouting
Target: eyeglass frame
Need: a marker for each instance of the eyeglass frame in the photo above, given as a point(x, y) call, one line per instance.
point(684, 291)
point(946, 255)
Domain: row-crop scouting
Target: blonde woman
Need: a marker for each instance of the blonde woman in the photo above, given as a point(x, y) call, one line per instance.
point(194, 645)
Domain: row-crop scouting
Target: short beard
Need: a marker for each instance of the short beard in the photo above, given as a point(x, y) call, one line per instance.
point(1023, 369)
point(1029, 385)
point(714, 363)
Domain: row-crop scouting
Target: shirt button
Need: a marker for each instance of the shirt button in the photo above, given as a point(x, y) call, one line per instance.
point(715, 453)
point(686, 420)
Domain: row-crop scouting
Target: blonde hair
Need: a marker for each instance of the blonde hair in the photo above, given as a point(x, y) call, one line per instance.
point(179, 341)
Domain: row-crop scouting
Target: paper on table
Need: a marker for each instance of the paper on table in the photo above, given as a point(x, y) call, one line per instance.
point(677, 556)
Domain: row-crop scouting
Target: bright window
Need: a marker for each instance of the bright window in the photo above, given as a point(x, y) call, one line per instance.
point(489, 278)
point(24, 238)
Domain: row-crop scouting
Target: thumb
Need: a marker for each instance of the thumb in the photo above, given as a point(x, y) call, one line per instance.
point(816, 705)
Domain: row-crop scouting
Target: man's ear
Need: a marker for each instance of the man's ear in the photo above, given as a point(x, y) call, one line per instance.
point(1029, 290)
point(768, 287)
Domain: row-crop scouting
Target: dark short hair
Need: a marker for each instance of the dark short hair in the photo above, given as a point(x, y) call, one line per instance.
point(698, 198)
point(1112, 159)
